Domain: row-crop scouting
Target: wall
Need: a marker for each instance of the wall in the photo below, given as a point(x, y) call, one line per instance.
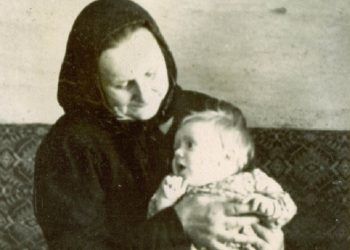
point(285, 63)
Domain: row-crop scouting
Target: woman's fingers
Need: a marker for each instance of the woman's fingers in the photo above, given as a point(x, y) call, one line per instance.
point(252, 240)
point(264, 233)
point(240, 221)
point(262, 239)
point(211, 224)
point(256, 205)
point(217, 245)
point(268, 238)
point(233, 209)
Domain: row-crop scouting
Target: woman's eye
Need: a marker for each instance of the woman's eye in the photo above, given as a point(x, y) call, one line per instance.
point(150, 74)
point(121, 85)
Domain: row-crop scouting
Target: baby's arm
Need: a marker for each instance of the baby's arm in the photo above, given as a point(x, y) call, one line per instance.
point(271, 200)
point(170, 190)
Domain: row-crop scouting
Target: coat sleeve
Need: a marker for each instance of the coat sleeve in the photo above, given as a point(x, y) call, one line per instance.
point(69, 203)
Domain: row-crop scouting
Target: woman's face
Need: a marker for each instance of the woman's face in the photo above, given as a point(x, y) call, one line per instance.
point(134, 77)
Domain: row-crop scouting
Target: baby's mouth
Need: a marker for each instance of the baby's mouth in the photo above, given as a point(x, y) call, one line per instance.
point(180, 168)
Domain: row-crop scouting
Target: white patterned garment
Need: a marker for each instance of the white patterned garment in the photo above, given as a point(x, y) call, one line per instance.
point(237, 188)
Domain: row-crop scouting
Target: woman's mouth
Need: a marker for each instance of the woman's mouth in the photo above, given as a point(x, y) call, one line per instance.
point(139, 105)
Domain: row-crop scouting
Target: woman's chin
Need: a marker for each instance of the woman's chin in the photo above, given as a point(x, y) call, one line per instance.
point(143, 114)
point(135, 114)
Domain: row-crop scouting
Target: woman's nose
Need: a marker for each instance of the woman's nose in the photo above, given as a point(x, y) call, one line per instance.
point(142, 91)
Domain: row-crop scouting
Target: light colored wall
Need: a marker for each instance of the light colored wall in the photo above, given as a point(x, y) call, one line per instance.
point(284, 63)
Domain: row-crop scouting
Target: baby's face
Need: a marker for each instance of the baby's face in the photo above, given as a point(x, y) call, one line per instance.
point(199, 155)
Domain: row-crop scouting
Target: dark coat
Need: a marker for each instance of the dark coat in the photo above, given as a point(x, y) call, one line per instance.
point(93, 181)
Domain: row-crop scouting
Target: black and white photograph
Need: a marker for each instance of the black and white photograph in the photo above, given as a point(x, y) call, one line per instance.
point(175, 125)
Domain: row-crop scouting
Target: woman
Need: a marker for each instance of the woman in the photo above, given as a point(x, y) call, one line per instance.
point(102, 160)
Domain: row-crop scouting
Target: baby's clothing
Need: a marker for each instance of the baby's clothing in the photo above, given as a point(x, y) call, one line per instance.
point(238, 187)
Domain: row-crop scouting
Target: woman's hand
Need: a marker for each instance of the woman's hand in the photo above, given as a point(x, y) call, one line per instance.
point(211, 222)
point(264, 238)
point(269, 239)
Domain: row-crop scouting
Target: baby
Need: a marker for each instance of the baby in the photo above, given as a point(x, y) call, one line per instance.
point(211, 150)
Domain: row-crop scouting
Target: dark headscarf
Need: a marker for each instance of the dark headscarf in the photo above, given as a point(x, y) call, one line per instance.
point(78, 89)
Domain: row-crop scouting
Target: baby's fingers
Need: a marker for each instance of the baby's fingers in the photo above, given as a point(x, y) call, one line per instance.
point(184, 184)
point(256, 205)
point(167, 190)
point(167, 180)
point(177, 181)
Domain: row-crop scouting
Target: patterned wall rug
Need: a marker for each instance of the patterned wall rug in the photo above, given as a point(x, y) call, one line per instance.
point(18, 227)
point(314, 166)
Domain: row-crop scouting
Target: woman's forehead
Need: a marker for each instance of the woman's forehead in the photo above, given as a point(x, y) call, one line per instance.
point(138, 52)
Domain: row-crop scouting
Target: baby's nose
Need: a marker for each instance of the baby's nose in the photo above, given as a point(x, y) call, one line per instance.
point(179, 152)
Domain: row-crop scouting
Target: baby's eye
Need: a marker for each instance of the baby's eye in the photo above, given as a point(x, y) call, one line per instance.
point(190, 144)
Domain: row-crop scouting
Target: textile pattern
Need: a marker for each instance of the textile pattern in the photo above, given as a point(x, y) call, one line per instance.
point(313, 166)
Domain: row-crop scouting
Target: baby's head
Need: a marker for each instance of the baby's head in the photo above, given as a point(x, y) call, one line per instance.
point(211, 145)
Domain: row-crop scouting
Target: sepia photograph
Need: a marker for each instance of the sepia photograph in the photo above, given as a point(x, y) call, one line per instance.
point(175, 125)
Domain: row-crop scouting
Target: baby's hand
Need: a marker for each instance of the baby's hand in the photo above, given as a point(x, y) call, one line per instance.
point(174, 187)
point(167, 194)
point(170, 190)
point(261, 204)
